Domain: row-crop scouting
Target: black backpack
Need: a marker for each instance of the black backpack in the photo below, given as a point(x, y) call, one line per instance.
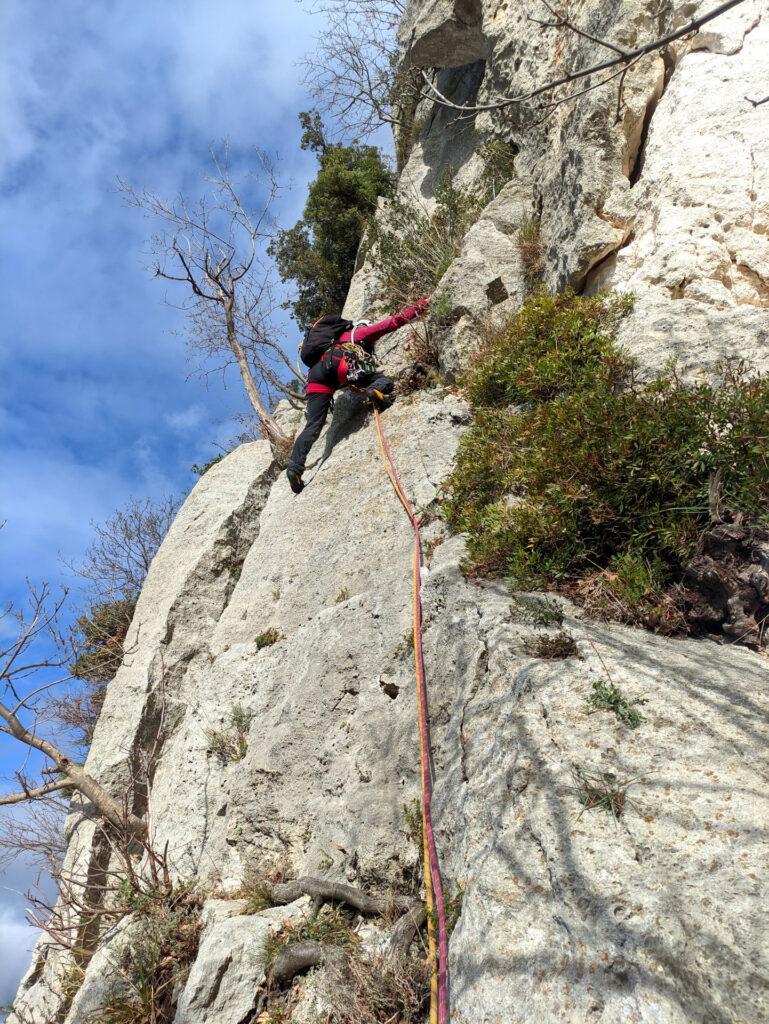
point(321, 337)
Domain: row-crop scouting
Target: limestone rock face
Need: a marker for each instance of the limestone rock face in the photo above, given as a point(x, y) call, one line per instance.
point(223, 985)
point(664, 195)
point(570, 914)
point(611, 874)
point(443, 33)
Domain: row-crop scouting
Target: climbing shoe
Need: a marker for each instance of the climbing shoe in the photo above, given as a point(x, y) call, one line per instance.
point(295, 479)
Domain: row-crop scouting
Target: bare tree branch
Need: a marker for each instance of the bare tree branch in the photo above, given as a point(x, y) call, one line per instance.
point(217, 247)
point(33, 794)
point(38, 648)
point(625, 57)
point(353, 71)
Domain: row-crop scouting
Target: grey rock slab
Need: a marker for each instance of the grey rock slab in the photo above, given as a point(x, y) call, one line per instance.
point(570, 914)
point(224, 982)
point(106, 974)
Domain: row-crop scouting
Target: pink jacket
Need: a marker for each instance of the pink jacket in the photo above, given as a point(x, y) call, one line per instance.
point(367, 336)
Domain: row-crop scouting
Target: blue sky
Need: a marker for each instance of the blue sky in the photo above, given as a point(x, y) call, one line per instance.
point(95, 404)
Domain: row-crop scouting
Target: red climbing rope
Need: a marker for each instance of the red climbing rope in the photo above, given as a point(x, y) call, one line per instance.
point(435, 905)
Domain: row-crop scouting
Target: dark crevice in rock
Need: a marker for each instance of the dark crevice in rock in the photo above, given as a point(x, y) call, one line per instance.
point(586, 282)
point(637, 159)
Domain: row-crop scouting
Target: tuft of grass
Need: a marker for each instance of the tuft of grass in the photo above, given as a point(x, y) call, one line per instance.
point(268, 638)
point(379, 990)
point(608, 697)
point(572, 466)
point(70, 982)
point(555, 647)
point(230, 744)
point(343, 595)
point(256, 888)
point(602, 791)
point(412, 248)
point(498, 159)
point(531, 250)
point(158, 962)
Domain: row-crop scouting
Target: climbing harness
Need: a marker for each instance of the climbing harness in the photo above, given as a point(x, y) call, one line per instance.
point(436, 912)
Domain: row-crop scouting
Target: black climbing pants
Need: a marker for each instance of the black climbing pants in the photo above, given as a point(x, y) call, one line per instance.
point(316, 413)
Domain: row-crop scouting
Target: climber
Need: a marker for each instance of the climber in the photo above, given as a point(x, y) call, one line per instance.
point(347, 359)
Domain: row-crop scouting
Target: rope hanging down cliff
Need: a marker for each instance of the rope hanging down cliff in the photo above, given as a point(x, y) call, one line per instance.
point(436, 912)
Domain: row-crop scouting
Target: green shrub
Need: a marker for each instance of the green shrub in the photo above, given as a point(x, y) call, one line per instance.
point(598, 471)
point(318, 253)
point(99, 637)
point(412, 249)
point(555, 345)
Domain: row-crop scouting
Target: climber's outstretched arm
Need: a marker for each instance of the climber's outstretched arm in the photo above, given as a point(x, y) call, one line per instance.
point(370, 334)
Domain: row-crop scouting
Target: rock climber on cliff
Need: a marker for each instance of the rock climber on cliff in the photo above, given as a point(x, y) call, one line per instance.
point(339, 355)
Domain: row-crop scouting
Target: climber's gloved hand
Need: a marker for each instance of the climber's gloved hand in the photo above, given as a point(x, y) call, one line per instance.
point(379, 399)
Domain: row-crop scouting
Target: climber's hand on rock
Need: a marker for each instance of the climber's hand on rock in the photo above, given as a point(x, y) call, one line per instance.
point(423, 305)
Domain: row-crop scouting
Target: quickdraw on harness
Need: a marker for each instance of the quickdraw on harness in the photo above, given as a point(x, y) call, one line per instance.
point(436, 912)
point(359, 361)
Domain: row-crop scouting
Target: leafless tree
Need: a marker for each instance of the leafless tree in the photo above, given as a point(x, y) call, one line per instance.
point(32, 664)
point(543, 99)
point(216, 247)
point(38, 833)
point(118, 559)
point(353, 72)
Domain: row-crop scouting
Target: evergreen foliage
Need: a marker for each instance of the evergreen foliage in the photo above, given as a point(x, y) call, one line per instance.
point(100, 636)
point(318, 253)
point(572, 465)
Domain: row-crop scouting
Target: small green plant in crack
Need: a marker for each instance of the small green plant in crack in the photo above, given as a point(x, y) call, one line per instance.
point(406, 645)
point(454, 908)
point(555, 647)
point(342, 596)
point(603, 791)
point(268, 638)
point(330, 926)
point(412, 818)
point(231, 743)
point(608, 697)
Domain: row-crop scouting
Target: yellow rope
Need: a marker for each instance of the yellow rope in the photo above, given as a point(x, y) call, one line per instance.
point(432, 945)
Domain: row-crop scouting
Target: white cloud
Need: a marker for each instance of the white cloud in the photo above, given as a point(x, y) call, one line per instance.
point(17, 938)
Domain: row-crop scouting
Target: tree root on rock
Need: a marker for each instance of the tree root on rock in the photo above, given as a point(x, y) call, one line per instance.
point(323, 890)
point(726, 584)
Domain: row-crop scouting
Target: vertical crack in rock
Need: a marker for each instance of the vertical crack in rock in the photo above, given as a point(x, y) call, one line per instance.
point(637, 151)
